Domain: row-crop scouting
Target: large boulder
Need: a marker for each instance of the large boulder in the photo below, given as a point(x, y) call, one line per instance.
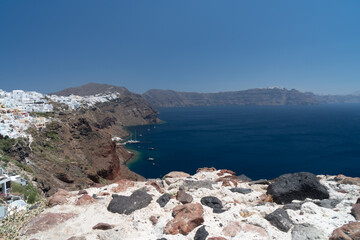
point(186, 218)
point(296, 186)
point(350, 231)
point(126, 205)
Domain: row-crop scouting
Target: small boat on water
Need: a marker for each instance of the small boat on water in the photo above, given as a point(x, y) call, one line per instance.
point(132, 141)
point(151, 159)
point(151, 148)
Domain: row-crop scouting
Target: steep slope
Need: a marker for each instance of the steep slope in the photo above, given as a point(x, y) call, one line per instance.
point(76, 149)
point(267, 96)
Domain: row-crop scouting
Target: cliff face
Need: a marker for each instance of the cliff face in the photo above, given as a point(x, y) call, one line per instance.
point(75, 150)
point(274, 96)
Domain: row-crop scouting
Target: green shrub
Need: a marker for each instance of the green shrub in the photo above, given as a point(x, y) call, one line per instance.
point(30, 193)
point(6, 144)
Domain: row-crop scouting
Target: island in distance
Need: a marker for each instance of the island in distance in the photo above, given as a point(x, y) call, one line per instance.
point(272, 96)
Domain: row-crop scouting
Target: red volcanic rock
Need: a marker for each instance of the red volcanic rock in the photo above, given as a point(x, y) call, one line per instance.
point(226, 180)
point(224, 171)
point(216, 238)
point(347, 180)
point(123, 185)
point(186, 218)
point(154, 220)
point(46, 221)
point(176, 174)
point(206, 169)
point(156, 186)
point(84, 200)
point(355, 211)
point(59, 198)
point(102, 226)
point(349, 231)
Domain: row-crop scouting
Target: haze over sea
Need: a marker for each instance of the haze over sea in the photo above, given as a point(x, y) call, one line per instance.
point(259, 141)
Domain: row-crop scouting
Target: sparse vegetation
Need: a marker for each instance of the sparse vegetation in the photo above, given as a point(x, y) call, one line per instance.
point(29, 192)
point(10, 227)
point(6, 144)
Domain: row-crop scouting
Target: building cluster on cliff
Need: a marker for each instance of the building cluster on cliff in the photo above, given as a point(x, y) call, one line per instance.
point(75, 102)
point(15, 109)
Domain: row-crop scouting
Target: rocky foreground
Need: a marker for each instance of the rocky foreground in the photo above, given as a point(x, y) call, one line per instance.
point(212, 204)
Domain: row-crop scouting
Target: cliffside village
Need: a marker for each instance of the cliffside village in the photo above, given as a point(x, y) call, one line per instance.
point(16, 108)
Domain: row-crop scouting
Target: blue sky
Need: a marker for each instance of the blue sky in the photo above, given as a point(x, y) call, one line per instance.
point(204, 46)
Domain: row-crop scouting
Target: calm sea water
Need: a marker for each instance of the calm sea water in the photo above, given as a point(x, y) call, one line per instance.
point(260, 142)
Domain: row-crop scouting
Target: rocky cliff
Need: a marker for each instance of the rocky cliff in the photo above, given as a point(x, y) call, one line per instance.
point(266, 96)
point(211, 204)
point(76, 149)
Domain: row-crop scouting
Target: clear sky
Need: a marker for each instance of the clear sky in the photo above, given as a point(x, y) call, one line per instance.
point(204, 46)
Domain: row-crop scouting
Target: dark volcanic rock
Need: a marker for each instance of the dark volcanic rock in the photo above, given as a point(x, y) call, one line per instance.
point(163, 199)
point(305, 232)
point(201, 234)
point(280, 219)
point(241, 190)
point(184, 197)
point(214, 203)
point(126, 205)
point(297, 186)
point(350, 231)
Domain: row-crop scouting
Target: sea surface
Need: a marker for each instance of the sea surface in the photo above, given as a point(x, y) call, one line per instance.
point(258, 141)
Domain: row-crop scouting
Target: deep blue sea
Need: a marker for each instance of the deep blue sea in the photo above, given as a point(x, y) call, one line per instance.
point(258, 141)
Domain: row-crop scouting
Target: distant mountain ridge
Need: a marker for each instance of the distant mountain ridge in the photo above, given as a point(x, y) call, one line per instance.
point(92, 89)
point(259, 96)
